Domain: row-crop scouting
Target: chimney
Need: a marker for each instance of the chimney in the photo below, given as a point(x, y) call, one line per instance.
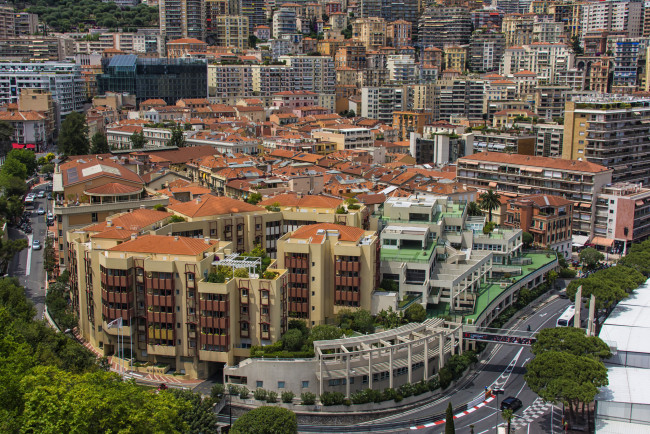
point(109, 223)
point(142, 207)
point(207, 240)
point(134, 236)
point(175, 237)
point(198, 200)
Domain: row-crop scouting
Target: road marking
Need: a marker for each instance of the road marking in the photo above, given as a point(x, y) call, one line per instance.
point(28, 266)
point(543, 314)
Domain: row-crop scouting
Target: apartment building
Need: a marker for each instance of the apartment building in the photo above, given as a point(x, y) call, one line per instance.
point(625, 56)
point(456, 58)
point(549, 140)
point(518, 29)
point(284, 22)
point(312, 73)
point(546, 217)
point(7, 21)
point(407, 122)
point(371, 31)
point(380, 102)
point(548, 31)
point(230, 31)
point(550, 100)
point(26, 24)
point(443, 26)
point(622, 215)
point(617, 16)
point(544, 59)
point(270, 79)
point(400, 33)
point(507, 141)
point(402, 69)
point(486, 50)
point(331, 267)
point(227, 83)
point(182, 19)
point(515, 175)
point(29, 127)
point(435, 254)
point(345, 137)
point(439, 145)
point(612, 132)
point(30, 49)
point(62, 80)
point(461, 97)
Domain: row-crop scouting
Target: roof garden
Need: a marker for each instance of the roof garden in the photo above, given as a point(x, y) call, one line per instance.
point(408, 254)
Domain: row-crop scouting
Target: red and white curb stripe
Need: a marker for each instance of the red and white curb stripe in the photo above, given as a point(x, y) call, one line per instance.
point(461, 414)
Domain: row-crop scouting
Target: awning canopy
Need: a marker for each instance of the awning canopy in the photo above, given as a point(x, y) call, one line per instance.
point(492, 184)
point(17, 145)
point(579, 240)
point(585, 205)
point(31, 146)
point(639, 203)
point(603, 242)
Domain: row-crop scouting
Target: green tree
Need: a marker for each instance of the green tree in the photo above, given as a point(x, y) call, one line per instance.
point(254, 198)
point(99, 144)
point(324, 332)
point(575, 45)
point(137, 140)
point(489, 201)
point(13, 168)
point(449, 420)
point(199, 415)
point(178, 138)
point(292, 340)
point(9, 249)
point(590, 257)
point(507, 415)
point(638, 258)
point(252, 41)
point(6, 134)
point(415, 313)
point(474, 210)
point(266, 420)
point(527, 239)
point(25, 156)
point(489, 227)
point(73, 137)
point(571, 340)
point(551, 277)
point(564, 377)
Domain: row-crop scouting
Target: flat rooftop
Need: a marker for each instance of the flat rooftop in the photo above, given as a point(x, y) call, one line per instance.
point(407, 254)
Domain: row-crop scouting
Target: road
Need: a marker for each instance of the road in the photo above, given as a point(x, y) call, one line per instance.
point(502, 367)
point(27, 265)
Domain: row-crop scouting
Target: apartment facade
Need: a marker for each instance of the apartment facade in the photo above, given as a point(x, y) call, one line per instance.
point(231, 31)
point(546, 217)
point(612, 132)
point(182, 19)
point(516, 175)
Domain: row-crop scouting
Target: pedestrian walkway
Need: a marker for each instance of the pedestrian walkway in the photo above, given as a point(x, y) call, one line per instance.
point(138, 376)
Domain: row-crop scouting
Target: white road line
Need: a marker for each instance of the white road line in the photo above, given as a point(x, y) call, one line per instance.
point(28, 267)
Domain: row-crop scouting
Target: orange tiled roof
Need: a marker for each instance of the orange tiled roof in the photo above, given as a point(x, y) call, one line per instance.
point(134, 220)
point(163, 244)
point(528, 160)
point(544, 200)
point(114, 234)
point(209, 205)
point(114, 188)
point(346, 233)
point(82, 168)
point(186, 41)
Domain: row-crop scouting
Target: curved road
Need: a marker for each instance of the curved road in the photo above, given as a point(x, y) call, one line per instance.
point(502, 367)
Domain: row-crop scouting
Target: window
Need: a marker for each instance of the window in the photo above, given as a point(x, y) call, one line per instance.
point(93, 217)
point(305, 384)
point(260, 384)
point(280, 384)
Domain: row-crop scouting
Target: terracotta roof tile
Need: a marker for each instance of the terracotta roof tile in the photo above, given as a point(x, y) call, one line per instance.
point(292, 199)
point(114, 188)
point(346, 233)
point(209, 205)
point(163, 244)
point(132, 221)
point(527, 160)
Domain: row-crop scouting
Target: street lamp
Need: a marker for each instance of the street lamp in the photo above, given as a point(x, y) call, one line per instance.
point(497, 392)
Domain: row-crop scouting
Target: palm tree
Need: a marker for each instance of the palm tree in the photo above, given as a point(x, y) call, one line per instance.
point(489, 201)
point(474, 210)
point(507, 416)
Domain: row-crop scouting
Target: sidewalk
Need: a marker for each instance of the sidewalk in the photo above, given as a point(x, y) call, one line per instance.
point(154, 379)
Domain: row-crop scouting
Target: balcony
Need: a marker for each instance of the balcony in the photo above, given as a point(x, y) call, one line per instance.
point(298, 293)
point(111, 314)
point(346, 296)
point(123, 281)
point(215, 322)
point(117, 297)
point(347, 266)
point(160, 300)
point(162, 317)
point(216, 340)
point(298, 307)
point(166, 334)
point(296, 263)
point(213, 305)
point(298, 278)
point(347, 281)
point(159, 283)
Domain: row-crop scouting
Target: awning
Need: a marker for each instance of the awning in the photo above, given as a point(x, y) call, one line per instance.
point(525, 187)
point(639, 203)
point(31, 146)
point(602, 241)
point(492, 184)
point(579, 240)
point(585, 205)
point(473, 163)
point(17, 145)
point(533, 169)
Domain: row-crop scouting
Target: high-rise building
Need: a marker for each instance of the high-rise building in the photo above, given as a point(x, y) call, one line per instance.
point(518, 29)
point(612, 132)
point(153, 78)
point(549, 140)
point(231, 31)
point(284, 22)
point(461, 97)
point(7, 21)
point(254, 10)
point(380, 102)
point(26, 24)
point(614, 16)
point(625, 56)
point(182, 19)
point(442, 26)
point(312, 73)
point(370, 31)
point(486, 50)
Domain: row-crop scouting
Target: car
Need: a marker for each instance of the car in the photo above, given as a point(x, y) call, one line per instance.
point(36, 245)
point(50, 215)
point(41, 194)
point(49, 196)
point(40, 210)
point(511, 403)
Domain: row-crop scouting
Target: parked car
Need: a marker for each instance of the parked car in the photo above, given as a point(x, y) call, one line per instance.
point(40, 210)
point(511, 403)
point(36, 245)
point(49, 196)
point(41, 194)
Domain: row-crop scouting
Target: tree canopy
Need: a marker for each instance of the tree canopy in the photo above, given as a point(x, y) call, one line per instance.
point(638, 258)
point(178, 138)
point(571, 340)
point(25, 156)
point(137, 140)
point(489, 201)
point(590, 257)
point(99, 144)
point(473, 210)
point(73, 137)
point(266, 420)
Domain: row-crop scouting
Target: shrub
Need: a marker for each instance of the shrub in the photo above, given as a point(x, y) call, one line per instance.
point(445, 377)
point(176, 219)
point(308, 398)
point(260, 394)
point(272, 397)
point(366, 395)
point(332, 398)
point(241, 273)
point(398, 398)
point(406, 390)
point(389, 394)
point(434, 383)
point(567, 273)
point(266, 419)
point(217, 391)
point(233, 390)
point(287, 397)
point(243, 393)
point(269, 275)
point(421, 387)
